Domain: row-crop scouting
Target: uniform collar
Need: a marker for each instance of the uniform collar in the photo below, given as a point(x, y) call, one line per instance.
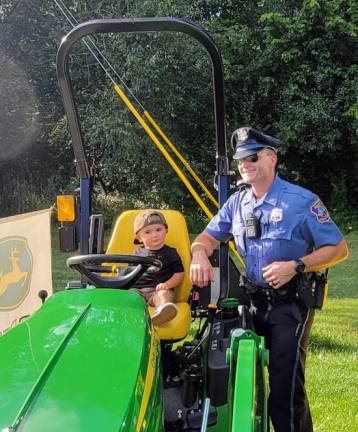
point(271, 196)
point(274, 192)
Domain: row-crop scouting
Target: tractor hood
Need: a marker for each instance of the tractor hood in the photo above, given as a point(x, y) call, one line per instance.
point(80, 363)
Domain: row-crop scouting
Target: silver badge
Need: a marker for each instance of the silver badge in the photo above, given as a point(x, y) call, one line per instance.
point(276, 215)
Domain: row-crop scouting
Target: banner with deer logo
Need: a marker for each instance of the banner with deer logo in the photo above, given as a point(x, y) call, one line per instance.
point(25, 265)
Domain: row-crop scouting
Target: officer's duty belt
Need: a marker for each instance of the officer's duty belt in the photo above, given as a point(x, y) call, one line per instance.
point(264, 298)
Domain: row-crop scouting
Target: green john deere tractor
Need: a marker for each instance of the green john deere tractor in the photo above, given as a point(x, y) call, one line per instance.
point(90, 359)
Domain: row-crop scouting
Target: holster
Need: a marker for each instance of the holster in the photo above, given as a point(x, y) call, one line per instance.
point(305, 289)
point(312, 289)
point(321, 289)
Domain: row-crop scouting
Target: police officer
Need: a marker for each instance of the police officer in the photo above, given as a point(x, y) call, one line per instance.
point(281, 231)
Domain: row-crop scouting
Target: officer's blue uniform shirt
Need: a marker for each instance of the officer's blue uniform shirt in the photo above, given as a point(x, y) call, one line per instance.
point(292, 220)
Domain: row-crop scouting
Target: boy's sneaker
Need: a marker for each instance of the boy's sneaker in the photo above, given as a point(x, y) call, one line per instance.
point(164, 313)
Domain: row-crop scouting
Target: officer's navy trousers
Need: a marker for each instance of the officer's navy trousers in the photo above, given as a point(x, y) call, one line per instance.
point(286, 330)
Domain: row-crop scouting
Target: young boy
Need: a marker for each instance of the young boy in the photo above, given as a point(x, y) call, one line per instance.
point(157, 288)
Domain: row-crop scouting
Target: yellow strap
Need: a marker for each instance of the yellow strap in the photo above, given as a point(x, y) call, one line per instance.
point(160, 146)
point(181, 158)
point(170, 160)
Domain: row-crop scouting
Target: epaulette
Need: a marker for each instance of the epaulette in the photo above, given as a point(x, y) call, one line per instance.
point(241, 185)
point(238, 187)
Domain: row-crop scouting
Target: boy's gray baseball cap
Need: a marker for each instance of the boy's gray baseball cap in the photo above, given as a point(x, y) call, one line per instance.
point(149, 217)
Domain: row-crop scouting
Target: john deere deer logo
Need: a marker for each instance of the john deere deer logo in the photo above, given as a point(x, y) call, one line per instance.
point(15, 271)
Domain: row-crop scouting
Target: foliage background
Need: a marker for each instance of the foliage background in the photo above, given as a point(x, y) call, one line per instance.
point(290, 70)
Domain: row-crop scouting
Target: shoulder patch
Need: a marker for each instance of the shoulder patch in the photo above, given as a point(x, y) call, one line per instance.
point(320, 211)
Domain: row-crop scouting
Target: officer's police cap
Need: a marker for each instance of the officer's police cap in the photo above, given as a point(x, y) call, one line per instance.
point(246, 141)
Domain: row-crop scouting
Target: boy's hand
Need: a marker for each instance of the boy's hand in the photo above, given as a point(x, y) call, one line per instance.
point(162, 286)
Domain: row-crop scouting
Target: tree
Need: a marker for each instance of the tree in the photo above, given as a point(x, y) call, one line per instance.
point(293, 68)
point(290, 70)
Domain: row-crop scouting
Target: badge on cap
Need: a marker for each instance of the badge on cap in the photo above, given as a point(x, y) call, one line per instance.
point(276, 215)
point(320, 211)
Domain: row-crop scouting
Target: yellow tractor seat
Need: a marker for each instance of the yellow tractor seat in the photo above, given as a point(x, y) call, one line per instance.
point(121, 242)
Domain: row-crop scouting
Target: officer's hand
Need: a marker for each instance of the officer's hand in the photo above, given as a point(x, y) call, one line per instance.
point(201, 271)
point(278, 273)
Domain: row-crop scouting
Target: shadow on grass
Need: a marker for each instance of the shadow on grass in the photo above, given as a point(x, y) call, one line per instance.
point(319, 343)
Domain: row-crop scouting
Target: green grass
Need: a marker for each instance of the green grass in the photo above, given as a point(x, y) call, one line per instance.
point(343, 278)
point(332, 363)
point(332, 367)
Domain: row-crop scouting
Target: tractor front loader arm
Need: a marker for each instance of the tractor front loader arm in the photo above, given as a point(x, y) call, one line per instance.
point(248, 382)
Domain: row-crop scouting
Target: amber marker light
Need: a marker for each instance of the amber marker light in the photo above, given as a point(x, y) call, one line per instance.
point(66, 209)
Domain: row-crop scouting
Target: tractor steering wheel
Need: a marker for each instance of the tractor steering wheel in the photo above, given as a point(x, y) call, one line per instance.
point(92, 266)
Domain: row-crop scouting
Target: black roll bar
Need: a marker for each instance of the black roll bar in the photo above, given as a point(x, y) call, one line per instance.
point(137, 25)
point(145, 25)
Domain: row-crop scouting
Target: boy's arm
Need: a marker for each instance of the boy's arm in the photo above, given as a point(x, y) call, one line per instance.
point(172, 282)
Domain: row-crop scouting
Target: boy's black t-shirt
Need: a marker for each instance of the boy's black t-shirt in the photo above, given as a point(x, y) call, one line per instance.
point(171, 263)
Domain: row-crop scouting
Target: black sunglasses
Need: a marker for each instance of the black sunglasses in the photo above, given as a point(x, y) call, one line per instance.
point(252, 158)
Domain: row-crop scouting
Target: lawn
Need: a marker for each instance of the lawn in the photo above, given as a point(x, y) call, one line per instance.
point(332, 368)
point(332, 364)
